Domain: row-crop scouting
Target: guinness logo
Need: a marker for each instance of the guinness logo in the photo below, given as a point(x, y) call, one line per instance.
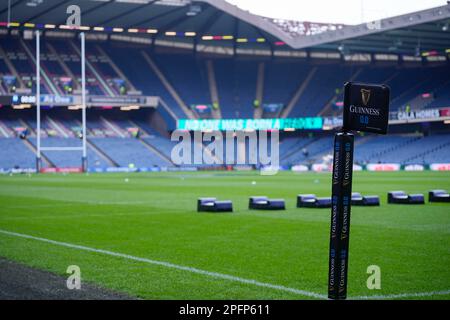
point(365, 96)
point(366, 107)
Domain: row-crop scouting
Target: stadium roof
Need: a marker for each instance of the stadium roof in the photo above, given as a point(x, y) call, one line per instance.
point(216, 22)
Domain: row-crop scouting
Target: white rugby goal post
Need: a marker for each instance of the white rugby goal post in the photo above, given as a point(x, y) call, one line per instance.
point(39, 148)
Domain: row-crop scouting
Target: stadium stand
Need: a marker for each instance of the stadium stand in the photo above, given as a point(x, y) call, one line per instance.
point(320, 89)
point(112, 142)
point(69, 158)
point(24, 157)
point(262, 77)
point(187, 75)
point(291, 74)
point(236, 82)
point(308, 150)
point(126, 151)
point(143, 77)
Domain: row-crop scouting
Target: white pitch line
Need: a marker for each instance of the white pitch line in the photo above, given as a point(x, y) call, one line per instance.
point(403, 295)
point(173, 266)
point(221, 275)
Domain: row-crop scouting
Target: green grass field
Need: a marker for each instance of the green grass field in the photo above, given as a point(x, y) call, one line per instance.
point(153, 216)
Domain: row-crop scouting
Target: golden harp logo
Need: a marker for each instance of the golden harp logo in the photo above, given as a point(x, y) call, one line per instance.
point(365, 96)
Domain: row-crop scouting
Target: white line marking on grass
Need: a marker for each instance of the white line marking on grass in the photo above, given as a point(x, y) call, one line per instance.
point(221, 275)
point(173, 266)
point(403, 295)
point(75, 216)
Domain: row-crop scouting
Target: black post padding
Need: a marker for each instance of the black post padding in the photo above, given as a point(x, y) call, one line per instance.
point(38, 164)
point(84, 164)
point(340, 215)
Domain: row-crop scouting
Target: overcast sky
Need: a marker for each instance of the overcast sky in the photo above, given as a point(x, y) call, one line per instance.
point(336, 11)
